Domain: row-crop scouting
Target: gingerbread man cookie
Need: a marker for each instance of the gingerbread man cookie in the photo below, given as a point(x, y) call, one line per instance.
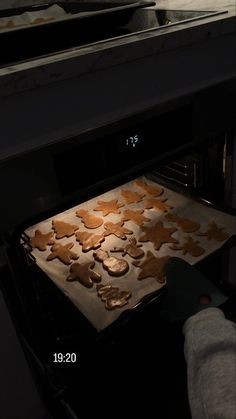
point(108, 207)
point(149, 189)
point(158, 235)
point(114, 266)
point(89, 240)
point(63, 229)
point(131, 197)
point(152, 266)
point(157, 204)
point(186, 225)
point(84, 274)
point(41, 241)
point(132, 249)
point(89, 220)
point(214, 232)
point(189, 246)
point(136, 216)
point(117, 229)
point(63, 253)
point(112, 296)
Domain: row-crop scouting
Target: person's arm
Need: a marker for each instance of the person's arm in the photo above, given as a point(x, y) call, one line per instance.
point(210, 352)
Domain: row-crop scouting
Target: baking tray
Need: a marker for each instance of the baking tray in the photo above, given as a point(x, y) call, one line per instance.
point(87, 23)
point(117, 13)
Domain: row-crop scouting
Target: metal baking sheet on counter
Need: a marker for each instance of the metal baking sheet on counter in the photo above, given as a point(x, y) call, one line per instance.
point(42, 15)
point(87, 300)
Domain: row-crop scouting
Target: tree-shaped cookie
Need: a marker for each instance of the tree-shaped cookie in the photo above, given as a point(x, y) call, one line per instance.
point(112, 296)
point(186, 225)
point(89, 220)
point(131, 197)
point(84, 274)
point(214, 232)
point(41, 241)
point(108, 207)
point(136, 216)
point(157, 204)
point(149, 189)
point(132, 249)
point(189, 246)
point(117, 229)
point(89, 240)
point(113, 265)
point(63, 253)
point(152, 266)
point(158, 234)
point(63, 229)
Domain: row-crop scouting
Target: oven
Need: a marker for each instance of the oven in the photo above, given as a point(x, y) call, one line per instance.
point(89, 359)
point(116, 354)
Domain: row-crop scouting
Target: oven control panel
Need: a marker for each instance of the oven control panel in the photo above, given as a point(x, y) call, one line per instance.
point(123, 150)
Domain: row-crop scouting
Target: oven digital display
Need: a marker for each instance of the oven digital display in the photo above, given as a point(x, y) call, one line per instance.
point(133, 141)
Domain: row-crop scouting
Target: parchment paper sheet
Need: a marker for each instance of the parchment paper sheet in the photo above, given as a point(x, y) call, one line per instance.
point(28, 18)
point(86, 300)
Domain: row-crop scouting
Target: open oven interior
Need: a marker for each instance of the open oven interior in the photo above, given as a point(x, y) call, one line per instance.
point(139, 342)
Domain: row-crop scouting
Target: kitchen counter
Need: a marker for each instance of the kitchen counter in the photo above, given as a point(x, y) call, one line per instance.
point(51, 98)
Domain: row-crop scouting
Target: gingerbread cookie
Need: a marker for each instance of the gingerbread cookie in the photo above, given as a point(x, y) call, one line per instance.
point(214, 232)
point(84, 274)
point(41, 241)
point(63, 229)
point(149, 189)
point(131, 197)
point(132, 249)
point(89, 240)
point(186, 225)
point(112, 296)
point(189, 246)
point(108, 207)
point(63, 253)
point(89, 220)
point(136, 216)
point(157, 204)
point(152, 266)
point(114, 266)
point(117, 229)
point(158, 235)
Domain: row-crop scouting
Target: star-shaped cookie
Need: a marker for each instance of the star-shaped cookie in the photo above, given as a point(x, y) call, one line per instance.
point(63, 229)
point(117, 229)
point(108, 207)
point(136, 216)
point(157, 204)
point(41, 241)
point(158, 234)
point(152, 266)
point(84, 274)
point(63, 253)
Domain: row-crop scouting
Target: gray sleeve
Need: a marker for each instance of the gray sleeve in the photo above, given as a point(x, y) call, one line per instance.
point(210, 353)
